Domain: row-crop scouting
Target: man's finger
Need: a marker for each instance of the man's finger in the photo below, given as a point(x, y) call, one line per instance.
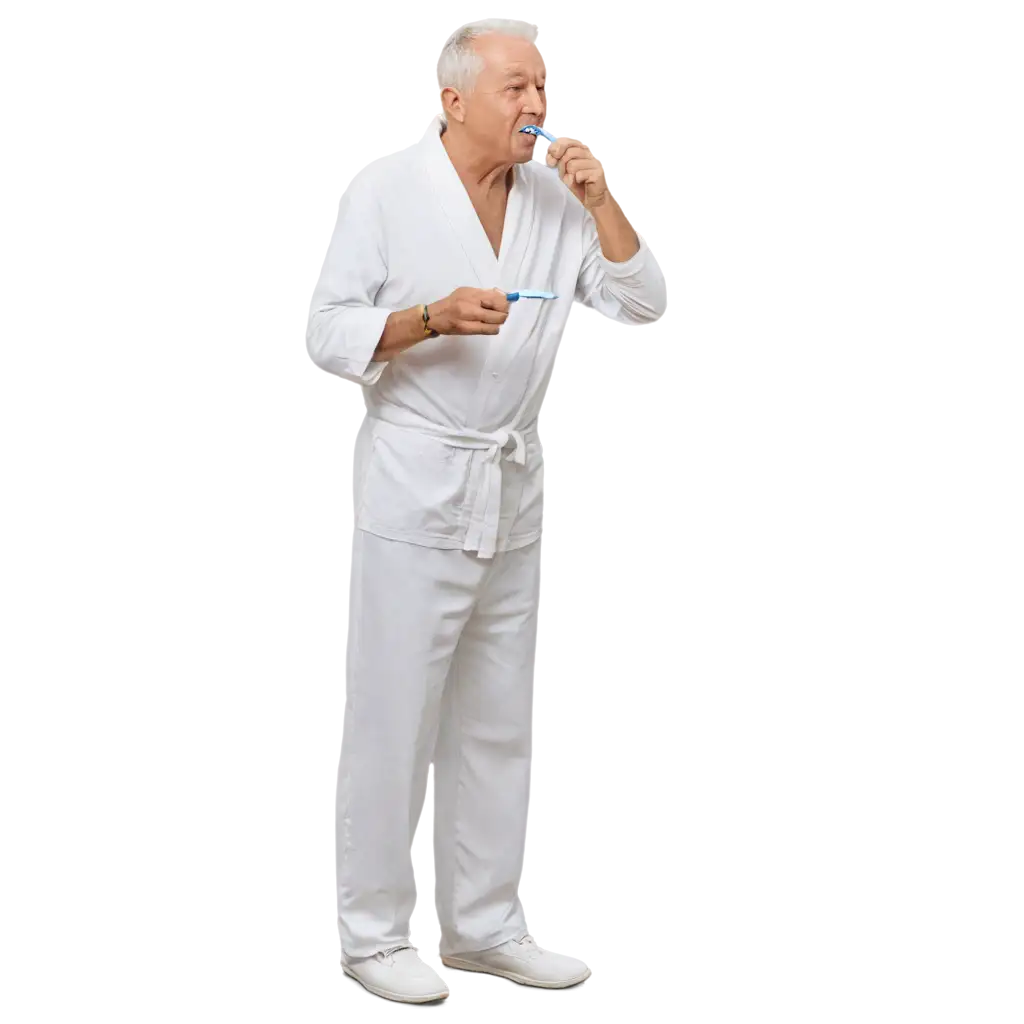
point(494, 299)
point(487, 315)
point(579, 163)
point(472, 327)
point(576, 153)
point(559, 146)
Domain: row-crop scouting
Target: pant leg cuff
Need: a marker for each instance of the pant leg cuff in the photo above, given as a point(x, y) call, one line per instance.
point(514, 933)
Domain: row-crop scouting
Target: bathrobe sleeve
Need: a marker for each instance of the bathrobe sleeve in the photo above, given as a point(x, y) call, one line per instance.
point(632, 292)
point(345, 324)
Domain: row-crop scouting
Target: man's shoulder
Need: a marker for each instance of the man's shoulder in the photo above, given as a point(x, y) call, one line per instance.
point(381, 170)
point(384, 174)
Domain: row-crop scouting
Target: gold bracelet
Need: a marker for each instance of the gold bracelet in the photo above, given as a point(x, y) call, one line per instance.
point(428, 331)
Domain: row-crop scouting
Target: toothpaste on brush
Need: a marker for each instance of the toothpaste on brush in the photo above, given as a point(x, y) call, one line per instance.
point(539, 132)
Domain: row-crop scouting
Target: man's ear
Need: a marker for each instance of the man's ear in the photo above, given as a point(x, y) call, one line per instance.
point(451, 103)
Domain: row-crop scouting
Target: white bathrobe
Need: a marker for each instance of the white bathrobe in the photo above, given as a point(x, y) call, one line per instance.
point(448, 493)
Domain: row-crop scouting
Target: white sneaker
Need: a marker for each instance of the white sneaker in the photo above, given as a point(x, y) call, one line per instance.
point(397, 973)
point(522, 960)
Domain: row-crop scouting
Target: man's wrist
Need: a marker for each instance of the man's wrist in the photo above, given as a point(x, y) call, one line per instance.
point(428, 327)
point(402, 330)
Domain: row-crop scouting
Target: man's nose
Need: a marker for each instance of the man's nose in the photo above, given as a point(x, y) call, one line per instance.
point(534, 101)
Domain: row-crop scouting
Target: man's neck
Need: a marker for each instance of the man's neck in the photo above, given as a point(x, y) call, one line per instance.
point(479, 173)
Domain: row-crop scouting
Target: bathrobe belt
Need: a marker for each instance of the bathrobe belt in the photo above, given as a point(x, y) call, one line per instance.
point(485, 475)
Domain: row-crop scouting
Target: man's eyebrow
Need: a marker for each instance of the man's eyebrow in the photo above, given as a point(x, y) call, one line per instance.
point(518, 73)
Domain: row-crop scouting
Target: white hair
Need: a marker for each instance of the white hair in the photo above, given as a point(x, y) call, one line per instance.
point(459, 64)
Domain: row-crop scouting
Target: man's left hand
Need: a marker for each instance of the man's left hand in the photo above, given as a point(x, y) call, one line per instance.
point(580, 171)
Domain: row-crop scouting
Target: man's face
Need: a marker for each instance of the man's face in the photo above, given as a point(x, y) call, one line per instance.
point(509, 94)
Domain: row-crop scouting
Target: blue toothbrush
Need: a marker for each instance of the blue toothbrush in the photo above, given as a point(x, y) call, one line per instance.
point(532, 129)
point(526, 294)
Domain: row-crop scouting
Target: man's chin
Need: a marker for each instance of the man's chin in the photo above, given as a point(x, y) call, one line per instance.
point(523, 152)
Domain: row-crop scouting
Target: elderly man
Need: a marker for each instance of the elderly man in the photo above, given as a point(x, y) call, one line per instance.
point(411, 304)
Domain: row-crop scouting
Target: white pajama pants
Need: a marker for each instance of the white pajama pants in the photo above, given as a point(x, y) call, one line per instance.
point(439, 668)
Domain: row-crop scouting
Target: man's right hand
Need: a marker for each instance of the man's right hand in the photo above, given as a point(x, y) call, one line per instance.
point(469, 311)
point(465, 311)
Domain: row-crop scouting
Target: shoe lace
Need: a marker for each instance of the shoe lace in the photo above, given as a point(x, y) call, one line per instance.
point(528, 942)
point(388, 955)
